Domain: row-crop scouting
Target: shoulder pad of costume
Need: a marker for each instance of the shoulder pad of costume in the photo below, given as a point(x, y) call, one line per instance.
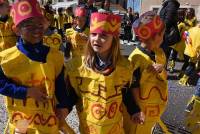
point(69, 31)
point(9, 50)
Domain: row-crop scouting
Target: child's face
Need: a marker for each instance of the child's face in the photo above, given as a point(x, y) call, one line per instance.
point(159, 38)
point(4, 9)
point(101, 43)
point(32, 30)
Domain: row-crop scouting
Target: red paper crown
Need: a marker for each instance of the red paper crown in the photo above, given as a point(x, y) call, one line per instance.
point(148, 25)
point(25, 9)
point(80, 11)
point(105, 23)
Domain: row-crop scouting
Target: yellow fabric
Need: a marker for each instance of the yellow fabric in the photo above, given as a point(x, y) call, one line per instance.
point(69, 18)
point(193, 43)
point(53, 40)
point(77, 41)
point(24, 71)
point(7, 36)
point(100, 98)
point(180, 46)
point(190, 22)
point(152, 94)
point(60, 21)
point(192, 117)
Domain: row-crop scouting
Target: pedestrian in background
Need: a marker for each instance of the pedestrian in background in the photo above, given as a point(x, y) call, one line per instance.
point(169, 13)
point(7, 36)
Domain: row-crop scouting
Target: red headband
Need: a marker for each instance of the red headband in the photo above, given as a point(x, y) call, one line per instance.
point(148, 25)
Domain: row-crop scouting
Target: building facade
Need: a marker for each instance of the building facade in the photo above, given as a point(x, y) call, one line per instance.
point(146, 5)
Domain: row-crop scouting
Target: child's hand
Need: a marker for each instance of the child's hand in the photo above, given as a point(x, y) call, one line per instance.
point(65, 128)
point(155, 68)
point(37, 93)
point(61, 114)
point(138, 118)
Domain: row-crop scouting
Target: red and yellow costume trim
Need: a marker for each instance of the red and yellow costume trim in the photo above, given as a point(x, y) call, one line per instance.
point(105, 23)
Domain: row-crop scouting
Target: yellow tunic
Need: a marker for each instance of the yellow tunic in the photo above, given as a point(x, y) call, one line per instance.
point(23, 71)
point(77, 41)
point(152, 94)
point(100, 98)
point(7, 36)
point(192, 48)
point(54, 40)
point(60, 21)
point(69, 18)
point(180, 46)
point(190, 22)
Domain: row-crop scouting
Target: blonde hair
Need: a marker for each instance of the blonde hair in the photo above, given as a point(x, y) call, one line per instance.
point(90, 56)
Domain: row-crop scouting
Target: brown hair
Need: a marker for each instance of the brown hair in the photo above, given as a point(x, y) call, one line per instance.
point(90, 57)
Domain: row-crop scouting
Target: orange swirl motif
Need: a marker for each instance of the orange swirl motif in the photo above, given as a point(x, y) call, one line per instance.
point(37, 119)
point(24, 8)
point(104, 25)
point(164, 98)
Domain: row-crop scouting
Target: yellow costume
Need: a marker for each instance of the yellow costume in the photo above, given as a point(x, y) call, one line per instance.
point(54, 40)
point(180, 46)
point(190, 22)
point(60, 20)
point(77, 41)
point(100, 98)
point(22, 70)
point(152, 94)
point(192, 119)
point(7, 36)
point(69, 18)
point(192, 43)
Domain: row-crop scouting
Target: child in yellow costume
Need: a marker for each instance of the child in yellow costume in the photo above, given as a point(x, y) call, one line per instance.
point(192, 51)
point(148, 61)
point(193, 108)
point(7, 36)
point(192, 119)
point(31, 76)
point(190, 19)
point(100, 79)
point(49, 14)
point(60, 20)
point(70, 17)
point(77, 36)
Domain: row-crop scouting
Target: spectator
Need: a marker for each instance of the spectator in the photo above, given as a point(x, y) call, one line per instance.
point(168, 14)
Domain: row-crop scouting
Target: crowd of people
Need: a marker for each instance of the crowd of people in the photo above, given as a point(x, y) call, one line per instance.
point(51, 62)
